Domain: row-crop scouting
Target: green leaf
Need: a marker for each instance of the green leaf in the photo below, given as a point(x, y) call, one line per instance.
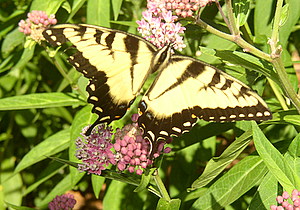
point(241, 9)
point(1, 196)
point(293, 155)
point(146, 178)
point(97, 182)
point(50, 146)
point(284, 14)
point(18, 207)
point(216, 165)
point(50, 7)
point(98, 12)
point(11, 41)
point(39, 100)
point(265, 194)
point(163, 204)
point(232, 185)
point(116, 6)
point(294, 148)
point(66, 5)
point(291, 21)
point(114, 195)
point(285, 117)
point(247, 61)
point(54, 5)
point(120, 195)
point(77, 4)
point(25, 58)
point(51, 170)
point(203, 130)
point(11, 183)
point(126, 23)
point(7, 63)
point(274, 161)
point(263, 15)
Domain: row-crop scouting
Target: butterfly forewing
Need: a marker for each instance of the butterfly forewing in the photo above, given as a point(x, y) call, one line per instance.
point(187, 89)
point(116, 63)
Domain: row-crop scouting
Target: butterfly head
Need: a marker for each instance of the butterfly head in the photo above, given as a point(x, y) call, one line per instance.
point(162, 57)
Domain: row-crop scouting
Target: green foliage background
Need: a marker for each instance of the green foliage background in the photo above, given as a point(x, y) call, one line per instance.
point(43, 109)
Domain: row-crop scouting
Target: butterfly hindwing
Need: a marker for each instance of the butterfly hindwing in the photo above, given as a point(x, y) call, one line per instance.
point(187, 89)
point(116, 63)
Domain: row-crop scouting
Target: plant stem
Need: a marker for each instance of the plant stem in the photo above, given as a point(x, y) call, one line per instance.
point(277, 58)
point(233, 27)
point(287, 86)
point(278, 94)
point(276, 22)
point(224, 16)
point(163, 191)
point(237, 39)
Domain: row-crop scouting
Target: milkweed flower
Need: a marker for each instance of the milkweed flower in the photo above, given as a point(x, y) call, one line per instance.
point(161, 30)
point(182, 8)
point(282, 200)
point(35, 24)
point(62, 202)
point(129, 152)
point(133, 151)
point(158, 24)
point(94, 150)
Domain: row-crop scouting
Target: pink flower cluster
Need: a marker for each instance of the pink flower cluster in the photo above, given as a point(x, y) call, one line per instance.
point(161, 29)
point(182, 8)
point(282, 199)
point(63, 202)
point(130, 152)
point(158, 23)
point(36, 23)
point(94, 150)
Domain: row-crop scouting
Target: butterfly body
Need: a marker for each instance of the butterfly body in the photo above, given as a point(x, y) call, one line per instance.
point(185, 89)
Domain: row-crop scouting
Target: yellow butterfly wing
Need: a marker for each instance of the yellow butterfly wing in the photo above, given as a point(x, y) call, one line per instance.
point(187, 89)
point(116, 63)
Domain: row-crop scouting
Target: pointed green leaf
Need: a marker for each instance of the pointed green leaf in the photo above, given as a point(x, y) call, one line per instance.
point(39, 100)
point(274, 160)
point(18, 207)
point(97, 182)
point(216, 165)
point(25, 58)
point(98, 12)
point(146, 178)
point(173, 204)
point(50, 146)
point(284, 14)
point(116, 6)
point(232, 185)
point(265, 194)
point(241, 9)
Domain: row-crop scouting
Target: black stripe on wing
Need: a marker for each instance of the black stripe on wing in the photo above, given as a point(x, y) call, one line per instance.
point(156, 129)
point(99, 92)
